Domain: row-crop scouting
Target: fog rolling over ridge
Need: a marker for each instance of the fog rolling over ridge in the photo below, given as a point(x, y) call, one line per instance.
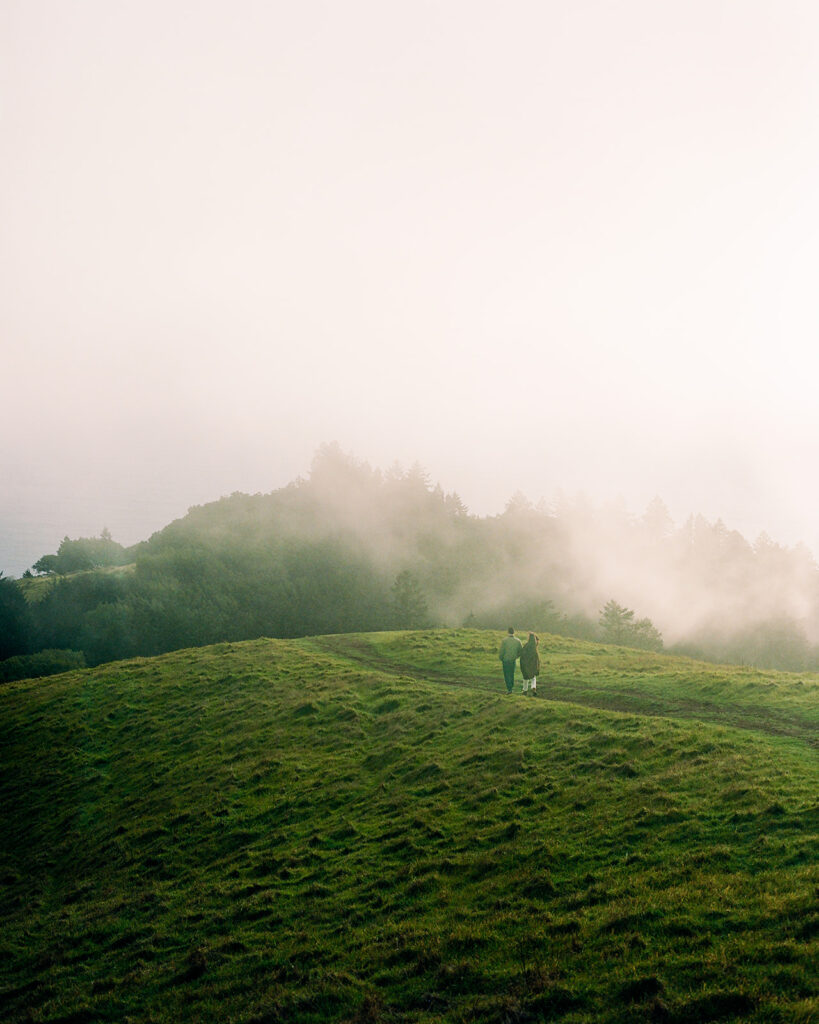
point(697, 581)
point(352, 548)
point(535, 247)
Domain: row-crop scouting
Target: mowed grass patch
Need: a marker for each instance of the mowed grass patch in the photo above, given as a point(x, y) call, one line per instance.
point(271, 831)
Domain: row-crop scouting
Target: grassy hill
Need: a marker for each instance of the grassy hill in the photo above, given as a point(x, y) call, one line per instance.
point(367, 829)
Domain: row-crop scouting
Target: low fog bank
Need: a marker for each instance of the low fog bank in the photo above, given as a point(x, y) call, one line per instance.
point(706, 588)
point(352, 548)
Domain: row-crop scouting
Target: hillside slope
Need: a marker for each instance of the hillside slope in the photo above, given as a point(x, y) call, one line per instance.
point(364, 828)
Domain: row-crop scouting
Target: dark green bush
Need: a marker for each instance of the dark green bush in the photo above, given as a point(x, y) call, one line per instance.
point(44, 663)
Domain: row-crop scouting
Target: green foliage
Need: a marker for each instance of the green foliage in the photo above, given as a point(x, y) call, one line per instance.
point(774, 644)
point(408, 606)
point(354, 549)
point(46, 565)
point(82, 554)
point(537, 615)
point(43, 663)
point(616, 622)
point(646, 636)
point(15, 619)
point(620, 627)
point(64, 616)
point(363, 828)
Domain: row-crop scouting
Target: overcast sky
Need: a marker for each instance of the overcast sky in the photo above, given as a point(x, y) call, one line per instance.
point(533, 245)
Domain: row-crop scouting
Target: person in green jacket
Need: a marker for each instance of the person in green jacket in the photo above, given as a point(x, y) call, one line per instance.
point(510, 649)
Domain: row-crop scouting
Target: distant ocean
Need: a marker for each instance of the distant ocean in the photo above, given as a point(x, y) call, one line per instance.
point(21, 544)
point(24, 539)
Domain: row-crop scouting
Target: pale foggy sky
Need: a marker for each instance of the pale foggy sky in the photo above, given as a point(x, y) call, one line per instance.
point(533, 245)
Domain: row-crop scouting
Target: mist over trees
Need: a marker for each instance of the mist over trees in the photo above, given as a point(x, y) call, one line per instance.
point(353, 548)
point(620, 627)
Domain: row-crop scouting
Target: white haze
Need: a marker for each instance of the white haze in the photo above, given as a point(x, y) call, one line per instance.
point(701, 584)
point(536, 246)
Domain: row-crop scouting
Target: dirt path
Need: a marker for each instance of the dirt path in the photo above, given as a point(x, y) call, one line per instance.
point(749, 717)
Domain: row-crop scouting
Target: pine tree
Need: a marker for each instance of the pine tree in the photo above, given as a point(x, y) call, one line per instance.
point(408, 604)
point(617, 622)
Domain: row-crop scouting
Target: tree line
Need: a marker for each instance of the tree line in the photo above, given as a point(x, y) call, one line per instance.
point(352, 549)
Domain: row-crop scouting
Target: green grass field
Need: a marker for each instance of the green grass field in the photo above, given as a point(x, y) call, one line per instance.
point(368, 829)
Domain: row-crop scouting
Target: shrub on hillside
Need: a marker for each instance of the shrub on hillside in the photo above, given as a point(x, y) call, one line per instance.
point(44, 663)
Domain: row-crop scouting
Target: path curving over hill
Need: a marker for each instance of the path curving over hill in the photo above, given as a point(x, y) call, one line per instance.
point(627, 696)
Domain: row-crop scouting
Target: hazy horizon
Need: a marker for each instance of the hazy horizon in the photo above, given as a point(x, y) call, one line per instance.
point(532, 246)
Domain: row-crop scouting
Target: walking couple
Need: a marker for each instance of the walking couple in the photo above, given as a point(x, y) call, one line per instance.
point(510, 650)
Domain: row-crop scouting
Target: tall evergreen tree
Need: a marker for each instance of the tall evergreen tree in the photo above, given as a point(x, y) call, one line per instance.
point(408, 604)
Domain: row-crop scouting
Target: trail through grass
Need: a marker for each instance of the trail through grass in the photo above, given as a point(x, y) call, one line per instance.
point(614, 678)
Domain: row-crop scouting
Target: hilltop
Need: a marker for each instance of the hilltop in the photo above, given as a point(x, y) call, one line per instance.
point(364, 828)
point(352, 549)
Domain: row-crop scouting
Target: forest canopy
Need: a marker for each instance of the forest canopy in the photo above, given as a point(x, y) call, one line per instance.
point(351, 548)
